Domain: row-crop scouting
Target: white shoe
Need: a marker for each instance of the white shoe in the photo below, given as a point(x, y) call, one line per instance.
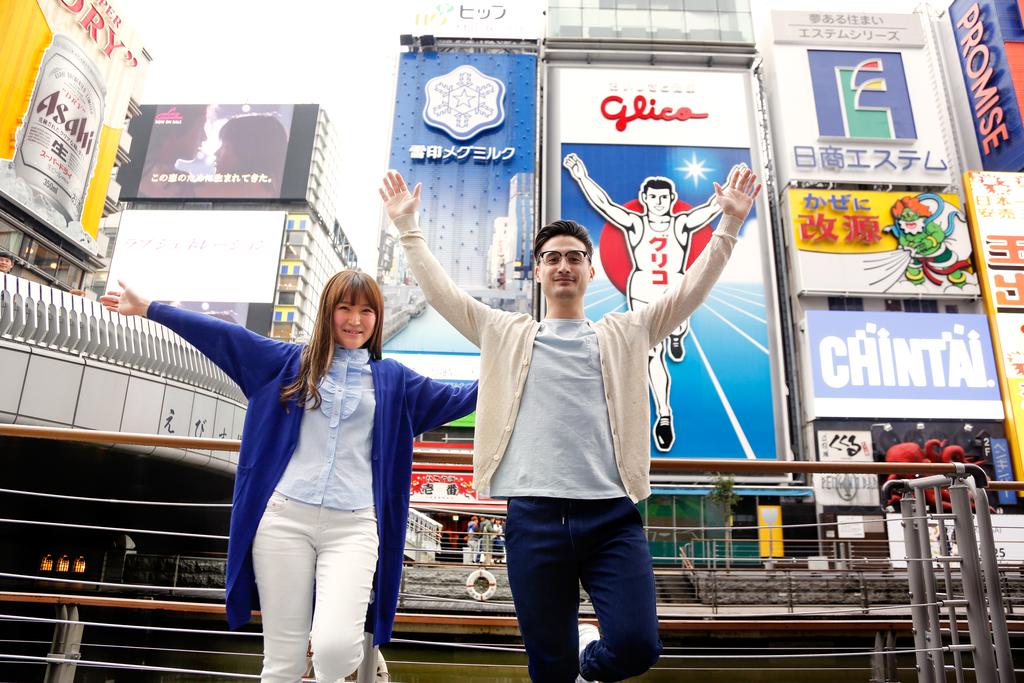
point(588, 634)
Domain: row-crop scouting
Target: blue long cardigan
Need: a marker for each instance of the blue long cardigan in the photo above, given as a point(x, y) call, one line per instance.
point(407, 404)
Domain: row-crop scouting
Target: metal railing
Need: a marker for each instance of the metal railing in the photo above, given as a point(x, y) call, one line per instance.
point(422, 537)
point(981, 591)
point(984, 602)
point(48, 318)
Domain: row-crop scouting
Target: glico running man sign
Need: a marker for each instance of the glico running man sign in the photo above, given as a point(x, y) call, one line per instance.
point(632, 156)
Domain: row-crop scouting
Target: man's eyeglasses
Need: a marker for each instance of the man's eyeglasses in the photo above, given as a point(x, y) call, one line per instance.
point(552, 258)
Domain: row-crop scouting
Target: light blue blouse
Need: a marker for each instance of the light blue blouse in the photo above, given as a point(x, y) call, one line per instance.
point(331, 463)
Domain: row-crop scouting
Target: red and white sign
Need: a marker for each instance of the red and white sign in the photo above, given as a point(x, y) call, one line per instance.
point(449, 486)
point(651, 107)
point(442, 487)
point(614, 108)
point(102, 24)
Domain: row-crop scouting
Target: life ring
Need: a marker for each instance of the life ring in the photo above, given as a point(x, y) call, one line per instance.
point(473, 588)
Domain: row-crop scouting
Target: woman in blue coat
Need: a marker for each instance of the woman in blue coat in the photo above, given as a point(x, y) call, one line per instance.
point(322, 487)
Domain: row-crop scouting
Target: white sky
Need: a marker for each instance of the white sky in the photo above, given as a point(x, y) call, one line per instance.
point(338, 54)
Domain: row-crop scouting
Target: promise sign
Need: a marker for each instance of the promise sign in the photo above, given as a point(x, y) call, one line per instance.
point(991, 68)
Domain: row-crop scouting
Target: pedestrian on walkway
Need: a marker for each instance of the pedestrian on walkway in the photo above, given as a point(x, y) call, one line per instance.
point(486, 540)
point(473, 539)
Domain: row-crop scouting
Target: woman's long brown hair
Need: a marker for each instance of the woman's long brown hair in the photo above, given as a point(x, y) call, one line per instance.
point(345, 286)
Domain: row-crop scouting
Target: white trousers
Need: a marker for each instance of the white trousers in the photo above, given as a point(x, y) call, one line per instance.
point(299, 548)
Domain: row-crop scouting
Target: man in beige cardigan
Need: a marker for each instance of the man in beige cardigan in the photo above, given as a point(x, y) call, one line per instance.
point(562, 432)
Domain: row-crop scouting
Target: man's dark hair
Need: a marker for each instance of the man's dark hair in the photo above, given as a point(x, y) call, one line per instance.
point(570, 228)
point(658, 183)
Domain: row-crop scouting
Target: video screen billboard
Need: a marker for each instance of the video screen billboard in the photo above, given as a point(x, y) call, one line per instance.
point(223, 263)
point(632, 156)
point(220, 152)
point(67, 71)
point(465, 127)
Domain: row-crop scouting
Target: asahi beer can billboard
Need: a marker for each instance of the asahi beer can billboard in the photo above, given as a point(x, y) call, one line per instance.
point(56, 146)
point(67, 71)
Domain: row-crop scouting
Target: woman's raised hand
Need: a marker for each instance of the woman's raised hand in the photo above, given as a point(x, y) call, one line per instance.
point(124, 301)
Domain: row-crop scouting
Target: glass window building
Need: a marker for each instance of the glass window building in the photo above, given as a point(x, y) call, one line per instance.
point(699, 21)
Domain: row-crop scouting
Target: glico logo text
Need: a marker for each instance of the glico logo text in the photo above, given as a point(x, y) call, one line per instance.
point(614, 109)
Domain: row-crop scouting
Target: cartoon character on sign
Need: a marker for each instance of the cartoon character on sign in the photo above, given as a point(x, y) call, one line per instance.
point(658, 232)
point(924, 225)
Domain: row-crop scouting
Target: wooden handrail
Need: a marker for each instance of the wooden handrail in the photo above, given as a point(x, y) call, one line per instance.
point(658, 465)
point(403, 620)
point(123, 438)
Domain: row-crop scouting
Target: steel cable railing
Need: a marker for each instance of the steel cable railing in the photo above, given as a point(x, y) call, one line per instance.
point(674, 582)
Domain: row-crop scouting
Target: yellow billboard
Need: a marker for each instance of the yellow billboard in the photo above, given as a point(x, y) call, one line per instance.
point(769, 530)
point(995, 204)
point(67, 71)
point(880, 243)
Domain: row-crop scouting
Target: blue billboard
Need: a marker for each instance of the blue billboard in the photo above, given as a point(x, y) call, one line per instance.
point(705, 401)
point(902, 365)
point(464, 127)
point(989, 35)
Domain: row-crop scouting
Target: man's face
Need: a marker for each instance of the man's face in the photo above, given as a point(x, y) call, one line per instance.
point(658, 202)
point(6, 264)
point(564, 281)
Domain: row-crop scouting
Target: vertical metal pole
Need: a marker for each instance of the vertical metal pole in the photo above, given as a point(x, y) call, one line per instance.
point(878, 660)
point(918, 613)
point(946, 550)
point(934, 634)
point(367, 672)
point(990, 567)
point(891, 670)
point(67, 639)
point(977, 621)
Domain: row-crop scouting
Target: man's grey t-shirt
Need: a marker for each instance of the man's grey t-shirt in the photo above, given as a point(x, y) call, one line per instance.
point(561, 445)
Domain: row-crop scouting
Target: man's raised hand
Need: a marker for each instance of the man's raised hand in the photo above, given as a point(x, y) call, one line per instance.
point(736, 198)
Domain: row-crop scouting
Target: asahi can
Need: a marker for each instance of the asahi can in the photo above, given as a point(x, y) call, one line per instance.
point(56, 145)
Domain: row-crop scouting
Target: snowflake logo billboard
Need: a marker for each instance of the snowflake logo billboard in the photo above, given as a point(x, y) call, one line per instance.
point(911, 365)
point(861, 95)
point(464, 102)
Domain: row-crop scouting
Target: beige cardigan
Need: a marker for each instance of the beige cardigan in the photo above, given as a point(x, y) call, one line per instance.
point(506, 346)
